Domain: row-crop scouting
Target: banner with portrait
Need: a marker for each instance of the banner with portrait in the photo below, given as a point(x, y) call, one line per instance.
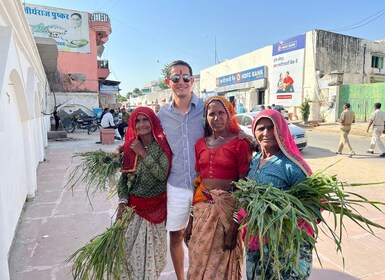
point(69, 28)
point(286, 73)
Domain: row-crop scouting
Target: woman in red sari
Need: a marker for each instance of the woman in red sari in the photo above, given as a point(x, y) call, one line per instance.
point(142, 186)
point(214, 240)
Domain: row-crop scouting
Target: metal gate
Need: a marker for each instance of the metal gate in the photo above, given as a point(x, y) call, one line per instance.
point(361, 98)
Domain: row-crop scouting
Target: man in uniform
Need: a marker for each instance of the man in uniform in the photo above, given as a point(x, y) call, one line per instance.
point(347, 119)
point(378, 121)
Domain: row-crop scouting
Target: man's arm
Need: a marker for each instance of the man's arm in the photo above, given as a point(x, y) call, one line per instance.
point(370, 123)
point(111, 120)
point(341, 119)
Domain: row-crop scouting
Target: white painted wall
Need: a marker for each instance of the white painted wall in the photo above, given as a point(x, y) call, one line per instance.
point(23, 129)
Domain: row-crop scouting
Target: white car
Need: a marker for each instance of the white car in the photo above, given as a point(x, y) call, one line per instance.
point(282, 110)
point(299, 134)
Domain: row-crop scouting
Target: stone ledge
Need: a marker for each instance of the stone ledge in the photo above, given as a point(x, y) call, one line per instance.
point(56, 134)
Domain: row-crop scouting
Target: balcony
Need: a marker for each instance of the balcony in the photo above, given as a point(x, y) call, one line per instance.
point(100, 23)
point(103, 70)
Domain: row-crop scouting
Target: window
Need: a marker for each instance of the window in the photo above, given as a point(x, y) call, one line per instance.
point(377, 62)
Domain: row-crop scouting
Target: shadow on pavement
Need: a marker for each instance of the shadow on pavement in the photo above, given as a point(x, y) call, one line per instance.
point(322, 274)
point(314, 152)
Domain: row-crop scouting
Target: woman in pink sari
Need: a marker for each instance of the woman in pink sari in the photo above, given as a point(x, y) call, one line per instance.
point(279, 163)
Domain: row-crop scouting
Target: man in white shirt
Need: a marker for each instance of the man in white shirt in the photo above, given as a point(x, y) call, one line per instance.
point(378, 121)
point(108, 122)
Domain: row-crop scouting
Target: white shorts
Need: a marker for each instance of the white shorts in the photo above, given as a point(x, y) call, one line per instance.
point(178, 207)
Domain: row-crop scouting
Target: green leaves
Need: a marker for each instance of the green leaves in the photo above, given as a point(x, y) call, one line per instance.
point(103, 257)
point(98, 171)
point(274, 214)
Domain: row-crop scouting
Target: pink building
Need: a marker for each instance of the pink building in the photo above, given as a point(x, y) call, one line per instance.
point(70, 43)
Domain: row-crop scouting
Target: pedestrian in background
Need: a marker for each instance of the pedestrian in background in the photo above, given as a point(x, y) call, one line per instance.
point(124, 123)
point(56, 117)
point(346, 119)
point(157, 108)
point(108, 122)
point(378, 121)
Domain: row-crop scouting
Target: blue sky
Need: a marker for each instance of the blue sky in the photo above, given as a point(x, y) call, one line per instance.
point(146, 35)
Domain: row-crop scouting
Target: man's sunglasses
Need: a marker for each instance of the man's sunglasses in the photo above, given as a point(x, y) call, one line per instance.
point(175, 78)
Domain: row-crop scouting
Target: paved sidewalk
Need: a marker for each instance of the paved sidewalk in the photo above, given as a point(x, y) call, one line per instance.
point(57, 222)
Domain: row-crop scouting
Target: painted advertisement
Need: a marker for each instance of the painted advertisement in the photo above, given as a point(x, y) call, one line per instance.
point(69, 28)
point(286, 73)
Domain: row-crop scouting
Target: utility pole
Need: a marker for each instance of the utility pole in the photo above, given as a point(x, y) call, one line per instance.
point(215, 50)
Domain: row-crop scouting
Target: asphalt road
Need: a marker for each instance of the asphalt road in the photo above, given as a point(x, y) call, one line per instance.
point(363, 167)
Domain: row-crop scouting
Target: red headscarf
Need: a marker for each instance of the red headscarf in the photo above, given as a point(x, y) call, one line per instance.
point(130, 157)
point(283, 136)
point(233, 125)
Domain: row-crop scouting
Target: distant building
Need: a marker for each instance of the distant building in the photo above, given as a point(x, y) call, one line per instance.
point(151, 87)
point(156, 95)
point(75, 72)
point(318, 65)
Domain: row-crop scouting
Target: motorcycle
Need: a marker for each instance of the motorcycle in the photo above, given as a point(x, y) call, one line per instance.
point(81, 122)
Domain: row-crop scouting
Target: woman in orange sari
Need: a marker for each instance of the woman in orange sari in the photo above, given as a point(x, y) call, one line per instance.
point(212, 235)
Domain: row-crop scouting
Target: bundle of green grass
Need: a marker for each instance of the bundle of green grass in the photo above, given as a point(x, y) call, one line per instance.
point(104, 256)
point(274, 215)
point(98, 171)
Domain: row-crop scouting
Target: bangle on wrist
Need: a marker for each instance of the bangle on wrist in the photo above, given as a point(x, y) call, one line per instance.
point(235, 217)
point(123, 201)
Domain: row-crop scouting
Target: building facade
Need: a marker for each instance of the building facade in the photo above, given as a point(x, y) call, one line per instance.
point(24, 92)
point(79, 38)
point(313, 65)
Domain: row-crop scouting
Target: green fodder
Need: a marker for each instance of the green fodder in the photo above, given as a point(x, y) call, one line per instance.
point(98, 171)
point(104, 256)
point(278, 216)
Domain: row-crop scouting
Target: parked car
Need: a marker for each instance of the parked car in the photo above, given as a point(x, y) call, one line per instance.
point(299, 134)
point(280, 108)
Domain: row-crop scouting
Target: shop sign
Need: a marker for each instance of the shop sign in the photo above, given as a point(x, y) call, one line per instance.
point(242, 77)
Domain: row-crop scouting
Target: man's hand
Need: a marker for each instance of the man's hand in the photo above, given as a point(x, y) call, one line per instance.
point(188, 231)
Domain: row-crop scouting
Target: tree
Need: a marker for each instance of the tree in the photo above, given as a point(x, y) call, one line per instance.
point(305, 110)
point(162, 83)
point(137, 92)
point(120, 98)
point(128, 95)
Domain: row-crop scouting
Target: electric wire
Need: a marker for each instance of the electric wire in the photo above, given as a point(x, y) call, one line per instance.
point(362, 22)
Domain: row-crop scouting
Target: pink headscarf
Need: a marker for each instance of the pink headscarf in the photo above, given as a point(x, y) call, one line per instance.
point(130, 157)
point(289, 148)
point(283, 136)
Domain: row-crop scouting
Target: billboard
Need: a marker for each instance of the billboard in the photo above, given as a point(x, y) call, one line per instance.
point(106, 89)
point(242, 77)
point(69, 28)
point(286, 73)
